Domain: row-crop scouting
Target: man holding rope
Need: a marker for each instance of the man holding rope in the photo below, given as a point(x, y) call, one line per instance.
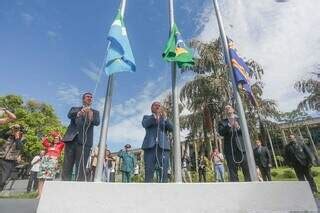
point(79, 138)
point(156, 145)
point(234, 150)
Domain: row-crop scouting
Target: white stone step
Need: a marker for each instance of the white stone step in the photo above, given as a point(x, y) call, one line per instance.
point(81, 197)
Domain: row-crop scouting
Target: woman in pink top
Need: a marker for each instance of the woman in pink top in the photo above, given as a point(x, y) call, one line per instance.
point(49, 163)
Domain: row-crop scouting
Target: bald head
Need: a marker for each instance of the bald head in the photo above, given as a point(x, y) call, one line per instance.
point(229, 110)
point(155, 107)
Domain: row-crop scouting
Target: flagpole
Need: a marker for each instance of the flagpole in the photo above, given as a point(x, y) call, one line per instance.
point(272, 149)
point(106, 117)
point(176, 124)
point(241, 113)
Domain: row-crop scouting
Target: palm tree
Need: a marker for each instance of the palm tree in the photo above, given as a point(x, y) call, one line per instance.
point(311, 87)
point(206, 95)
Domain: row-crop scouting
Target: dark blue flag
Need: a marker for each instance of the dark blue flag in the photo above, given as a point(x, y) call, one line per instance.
point(241, 71)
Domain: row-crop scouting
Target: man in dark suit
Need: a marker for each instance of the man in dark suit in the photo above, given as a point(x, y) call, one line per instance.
point(79, 138)
point(156, 145)
point(263, 160)
point(234, 149)
point(299, 157)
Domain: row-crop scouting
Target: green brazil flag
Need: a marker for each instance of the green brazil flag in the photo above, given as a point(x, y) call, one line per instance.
point(177, 51)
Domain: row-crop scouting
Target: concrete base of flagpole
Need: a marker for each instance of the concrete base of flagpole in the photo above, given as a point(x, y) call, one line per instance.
point(81, 197)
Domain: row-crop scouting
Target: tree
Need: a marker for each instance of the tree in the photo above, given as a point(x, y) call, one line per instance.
point(310, 87)
point(38, 119)
point(206, 95)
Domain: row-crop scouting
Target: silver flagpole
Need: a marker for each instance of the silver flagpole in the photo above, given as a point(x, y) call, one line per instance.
point(271, 145)
point(106, 117)
point(176, 124)
point(242, 117)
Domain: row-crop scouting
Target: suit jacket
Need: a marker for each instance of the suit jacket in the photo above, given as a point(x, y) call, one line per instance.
point(298, 154)
point(262, 158)
point(230, 137)
point(81, 126)
point(156, 133)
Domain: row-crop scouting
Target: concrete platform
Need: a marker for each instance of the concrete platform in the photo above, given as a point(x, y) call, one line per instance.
point(80, 197)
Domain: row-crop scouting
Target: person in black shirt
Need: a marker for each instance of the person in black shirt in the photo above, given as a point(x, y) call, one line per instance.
point(263, 160)
point(299, 157)
point(202, 169)
point(234, 150)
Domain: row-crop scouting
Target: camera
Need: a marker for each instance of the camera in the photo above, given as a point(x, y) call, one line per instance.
point(2, 112)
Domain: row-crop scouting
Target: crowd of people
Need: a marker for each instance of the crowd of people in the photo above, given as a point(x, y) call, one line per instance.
point(80, 158)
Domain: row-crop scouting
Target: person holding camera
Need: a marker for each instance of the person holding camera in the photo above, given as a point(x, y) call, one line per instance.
point(49, 163)
point(10, 153)
point(156, 145)
point(9, 116)
point(202, 168)
point(218, 160)
point(79, 138)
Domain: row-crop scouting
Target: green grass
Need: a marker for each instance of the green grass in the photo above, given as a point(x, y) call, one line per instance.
point(25, 195)
point(280, 174)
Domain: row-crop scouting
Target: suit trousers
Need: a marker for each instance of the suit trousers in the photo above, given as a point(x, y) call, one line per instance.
point(6, 167)
point(75, 155)
point(156, 157)
point(126, 177)
point(304, 173)
point(234, 163)
point(265, 173)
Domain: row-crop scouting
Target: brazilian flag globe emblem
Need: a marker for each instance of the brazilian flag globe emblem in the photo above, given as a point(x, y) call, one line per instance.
point(177, 51)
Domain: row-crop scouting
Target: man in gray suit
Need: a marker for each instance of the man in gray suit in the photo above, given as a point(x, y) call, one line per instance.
point(79, 138)
point(156, 144)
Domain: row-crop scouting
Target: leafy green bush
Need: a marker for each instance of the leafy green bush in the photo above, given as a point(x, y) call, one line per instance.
point(288, 173)
point(37, 118)
point(138, 178)
point(315, 173)
point(274, 173)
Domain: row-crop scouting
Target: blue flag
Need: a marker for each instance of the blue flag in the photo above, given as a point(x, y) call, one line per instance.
point(241, 71)
point(119, 56)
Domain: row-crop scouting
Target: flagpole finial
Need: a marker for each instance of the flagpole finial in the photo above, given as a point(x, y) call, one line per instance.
point(171, 13)
point(122, 7)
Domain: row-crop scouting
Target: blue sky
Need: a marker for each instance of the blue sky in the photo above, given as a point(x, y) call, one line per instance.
point(52, 51)
point(56, 48)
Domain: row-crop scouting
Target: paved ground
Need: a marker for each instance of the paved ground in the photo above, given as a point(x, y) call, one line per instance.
point(18, 205)
point(14, 187)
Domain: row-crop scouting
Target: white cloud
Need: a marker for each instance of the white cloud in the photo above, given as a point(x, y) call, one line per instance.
point(69, 94)
point(283, 38)
point(125, 125)
point(92, 71)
